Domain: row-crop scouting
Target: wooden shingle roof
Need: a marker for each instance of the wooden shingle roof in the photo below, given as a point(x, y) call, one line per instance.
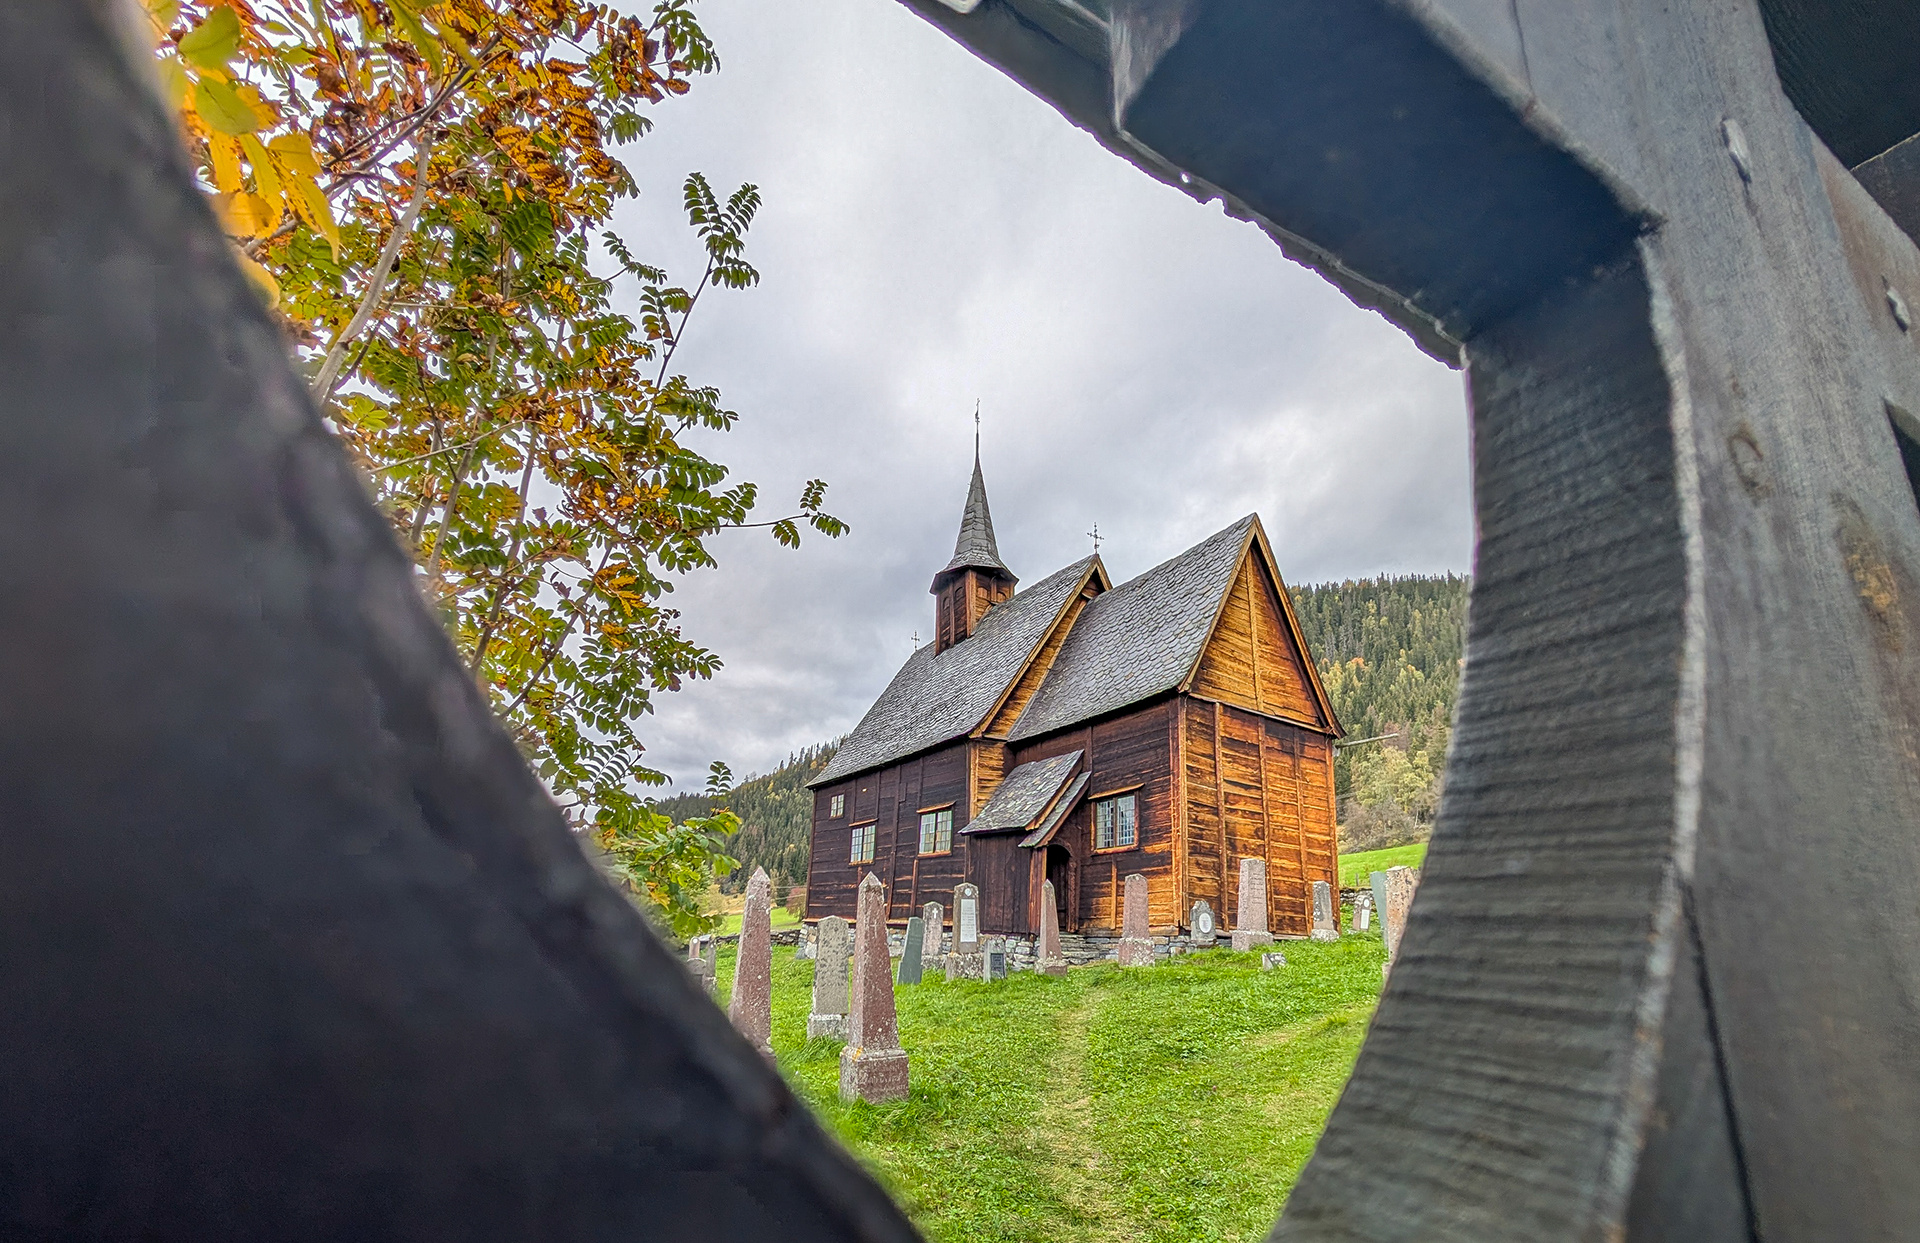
point(1140, 639)
point(940, 696)
point(1023, 794)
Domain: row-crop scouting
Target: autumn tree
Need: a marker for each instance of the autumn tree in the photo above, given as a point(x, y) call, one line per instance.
point(423, 189)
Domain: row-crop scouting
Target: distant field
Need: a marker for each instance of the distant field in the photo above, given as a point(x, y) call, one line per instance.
point(1169, 1105)
point(1355, 868)
point(782, 918)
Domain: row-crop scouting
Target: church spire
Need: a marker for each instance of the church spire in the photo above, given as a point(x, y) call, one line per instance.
point(976, 579)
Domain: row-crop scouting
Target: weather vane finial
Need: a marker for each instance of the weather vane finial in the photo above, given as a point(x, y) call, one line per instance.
point(976, 429)
point(1095, 534)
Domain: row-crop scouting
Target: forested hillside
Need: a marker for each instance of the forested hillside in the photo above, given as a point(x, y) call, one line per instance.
point(1389, 651)
point(776, 812)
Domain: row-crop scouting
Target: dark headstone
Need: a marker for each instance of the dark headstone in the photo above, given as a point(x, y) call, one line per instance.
point(910, 953)
point(1323, 925)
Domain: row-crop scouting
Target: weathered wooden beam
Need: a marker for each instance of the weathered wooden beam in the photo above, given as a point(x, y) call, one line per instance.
point(296, 947)
point(1659, 976)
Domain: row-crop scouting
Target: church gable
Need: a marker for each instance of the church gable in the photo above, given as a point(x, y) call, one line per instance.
point(1255, 657)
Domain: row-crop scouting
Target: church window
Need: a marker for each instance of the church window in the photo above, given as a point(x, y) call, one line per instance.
point(837, 806)
point(862, 843)
point(1116, 822)
point(936, 831)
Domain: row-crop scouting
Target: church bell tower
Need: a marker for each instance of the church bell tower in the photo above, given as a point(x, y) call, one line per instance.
point(976, 579)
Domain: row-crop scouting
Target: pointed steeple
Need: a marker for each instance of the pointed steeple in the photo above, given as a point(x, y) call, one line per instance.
point(976, 579)
point(976, 548)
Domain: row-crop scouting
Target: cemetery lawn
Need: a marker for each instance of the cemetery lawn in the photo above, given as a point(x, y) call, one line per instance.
point(1173, 1104)
point(1355, 868)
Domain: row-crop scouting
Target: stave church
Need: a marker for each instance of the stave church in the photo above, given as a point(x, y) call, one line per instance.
point(1079, 732)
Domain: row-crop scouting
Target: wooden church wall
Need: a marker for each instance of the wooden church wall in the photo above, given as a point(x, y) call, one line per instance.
point(1260, 788)
point(1251, 661)
point(1130, 750)
point(893, 797)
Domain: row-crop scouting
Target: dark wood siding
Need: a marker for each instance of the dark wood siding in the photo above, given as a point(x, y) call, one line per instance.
point(1132, 749)
point(892, 797)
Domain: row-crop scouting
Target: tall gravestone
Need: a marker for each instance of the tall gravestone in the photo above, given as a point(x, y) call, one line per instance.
point(1377, 883)
point(966, 962)
point(751, 1008)
point(832, 948)
point(1401, 882)
point(1200, 925)
point(1049, 961)
point(1363, 910)
point(1136, 947)
point(1250, 917)
point(910, 950)
point(934, 920)
point(873, 1066)
point(1324, 928)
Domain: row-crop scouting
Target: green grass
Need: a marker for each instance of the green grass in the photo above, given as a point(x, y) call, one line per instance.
point(1170, 1105)
point(781, 918)
point(1355, 868)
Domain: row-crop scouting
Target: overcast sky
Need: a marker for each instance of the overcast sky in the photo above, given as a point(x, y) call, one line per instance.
point(933, 235)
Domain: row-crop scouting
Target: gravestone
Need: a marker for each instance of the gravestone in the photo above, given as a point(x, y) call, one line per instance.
point(751, 1008)
point(1136, 948)
point(1377, 883)
point(1363, 910)
point(1250, 917)
point(1401, 882)
point(965, 961)
point(832, 947)
point(1049, 961)
point(1323, 926)
point(873, 1066)
point(703, 955)
point(934, 920)
point(994, 951)
point(910, 951)
point(1272, 959)
point(1200, 925)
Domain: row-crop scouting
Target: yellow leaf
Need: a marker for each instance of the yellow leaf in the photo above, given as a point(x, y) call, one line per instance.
point(416, 34)
point(225, 153)
point(296, 154)
point(222, 108)
point(164, 13)
point(451, 37)
point(311, 204)
point(265, 179)
point(213, 42)
point(261, 278)
point(245, 215)
point(262, 111)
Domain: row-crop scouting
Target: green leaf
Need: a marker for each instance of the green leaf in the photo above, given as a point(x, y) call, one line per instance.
point(221, 107)
point(213, 42)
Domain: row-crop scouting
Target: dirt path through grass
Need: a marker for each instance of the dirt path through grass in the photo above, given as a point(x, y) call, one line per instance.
point(1064, 1123)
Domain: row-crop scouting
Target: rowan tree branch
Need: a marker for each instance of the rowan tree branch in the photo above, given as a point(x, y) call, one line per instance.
point(329, 374)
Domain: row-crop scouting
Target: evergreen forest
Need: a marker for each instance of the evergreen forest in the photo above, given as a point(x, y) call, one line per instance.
point(1389, 651)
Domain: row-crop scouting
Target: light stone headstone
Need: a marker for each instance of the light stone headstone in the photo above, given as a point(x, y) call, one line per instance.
point(751, 1008)
point(1049, 961)
point(833, 945)
point(1401, 882)
point(703, 955)
point(966, 962)
point(910, 951)
point(1250, 916)
point(1272, 959)
point(935, 920)
point(1200, 926)
point(873, 1067)
point(1363, 910)
point(1323, 925)
point(1136, 947)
